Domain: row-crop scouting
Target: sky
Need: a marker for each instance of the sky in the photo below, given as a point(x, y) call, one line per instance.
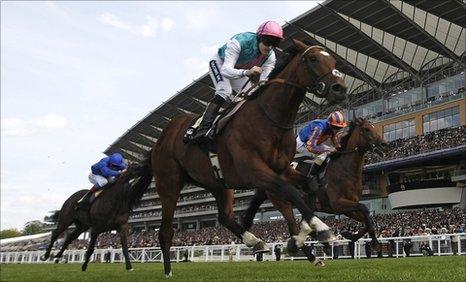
point(76, 75)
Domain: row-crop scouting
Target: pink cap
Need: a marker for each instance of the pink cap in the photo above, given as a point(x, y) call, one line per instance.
point(270, 28)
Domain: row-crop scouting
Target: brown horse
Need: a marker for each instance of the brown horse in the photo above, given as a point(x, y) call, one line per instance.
point(109, 211)
point(254, 150)
point(341, 186)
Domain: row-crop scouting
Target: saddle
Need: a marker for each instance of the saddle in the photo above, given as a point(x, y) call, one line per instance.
point(221, 120)
point(94, 196)
point(304, 167)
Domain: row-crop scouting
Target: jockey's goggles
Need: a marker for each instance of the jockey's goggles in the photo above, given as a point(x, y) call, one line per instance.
point(270, 41)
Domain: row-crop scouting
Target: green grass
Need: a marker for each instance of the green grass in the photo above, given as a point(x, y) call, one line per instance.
point(402, 269)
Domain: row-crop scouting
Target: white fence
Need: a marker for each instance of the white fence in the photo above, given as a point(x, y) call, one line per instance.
point(441, 245)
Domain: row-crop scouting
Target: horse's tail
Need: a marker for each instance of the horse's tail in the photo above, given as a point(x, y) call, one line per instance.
point(145, 178)
point(54, 217)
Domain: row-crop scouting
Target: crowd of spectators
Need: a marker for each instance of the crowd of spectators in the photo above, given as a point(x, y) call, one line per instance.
point(186, 209)
point(436, 140)
point(406, 223)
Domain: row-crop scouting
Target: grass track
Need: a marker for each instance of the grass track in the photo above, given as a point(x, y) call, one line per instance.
point(402, 269)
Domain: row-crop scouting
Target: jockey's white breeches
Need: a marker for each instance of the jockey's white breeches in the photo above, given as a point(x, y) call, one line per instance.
point(224, 87)
point(99, 180)
point(318, 158)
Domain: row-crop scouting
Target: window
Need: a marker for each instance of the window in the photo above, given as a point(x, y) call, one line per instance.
point(402, 129)
point(441, 119)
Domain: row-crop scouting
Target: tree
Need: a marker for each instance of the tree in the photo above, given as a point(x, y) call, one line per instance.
point(9, 233)
point(33, 227)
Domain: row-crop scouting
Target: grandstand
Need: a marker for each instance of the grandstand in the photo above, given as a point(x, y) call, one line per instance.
point(403, 62)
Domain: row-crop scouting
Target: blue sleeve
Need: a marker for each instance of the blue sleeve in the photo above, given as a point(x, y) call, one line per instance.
point(106, 171)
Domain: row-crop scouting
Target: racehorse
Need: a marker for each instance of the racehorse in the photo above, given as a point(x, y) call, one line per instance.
point(341, 186)
point(109, 211)
point(254, 150)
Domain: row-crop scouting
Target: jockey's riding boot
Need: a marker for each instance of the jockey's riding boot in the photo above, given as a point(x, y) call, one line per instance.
point(85, 200)
point(207, 120)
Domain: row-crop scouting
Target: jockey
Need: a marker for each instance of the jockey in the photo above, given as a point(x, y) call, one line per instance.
point(103, 172)
point(311, 137)
point(244, 57)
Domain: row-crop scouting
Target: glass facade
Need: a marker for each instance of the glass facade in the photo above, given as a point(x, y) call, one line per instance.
point(408, 99)
point(444, 86)
point(402, 129)
point(441, 119)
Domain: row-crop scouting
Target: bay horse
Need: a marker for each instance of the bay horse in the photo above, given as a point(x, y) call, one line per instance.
point(254, 150)
point(109, 211)
point(341, 186)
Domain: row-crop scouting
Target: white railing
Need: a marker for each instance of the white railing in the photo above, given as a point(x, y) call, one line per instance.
point(441, 245)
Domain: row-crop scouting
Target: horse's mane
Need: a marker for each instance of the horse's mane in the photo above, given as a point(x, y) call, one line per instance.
point(344, 139)
point(282, 62)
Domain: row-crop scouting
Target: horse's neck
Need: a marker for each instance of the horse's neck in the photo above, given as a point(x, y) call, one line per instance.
point(351, 163)
point(284, 100)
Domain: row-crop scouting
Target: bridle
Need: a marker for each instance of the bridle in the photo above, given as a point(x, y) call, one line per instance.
point(319, 86)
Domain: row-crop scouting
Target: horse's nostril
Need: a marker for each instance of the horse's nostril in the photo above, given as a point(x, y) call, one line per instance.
point(338, 88)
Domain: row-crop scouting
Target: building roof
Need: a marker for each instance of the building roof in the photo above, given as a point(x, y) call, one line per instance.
point(375, 43)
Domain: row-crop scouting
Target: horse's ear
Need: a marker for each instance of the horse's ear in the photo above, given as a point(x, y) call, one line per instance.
point(357, 120)
point(299, 44)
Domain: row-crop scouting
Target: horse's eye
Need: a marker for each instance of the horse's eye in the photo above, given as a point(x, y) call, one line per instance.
point(313, 59)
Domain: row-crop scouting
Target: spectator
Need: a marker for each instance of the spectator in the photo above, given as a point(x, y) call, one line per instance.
point(278, 252)
point(425, 249)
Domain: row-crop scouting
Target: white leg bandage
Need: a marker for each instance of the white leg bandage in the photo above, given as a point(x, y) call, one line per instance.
point(318, 225)
point(249, 239)
point(304, 231)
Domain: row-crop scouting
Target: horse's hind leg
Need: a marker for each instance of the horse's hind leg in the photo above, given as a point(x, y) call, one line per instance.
point(259, 197)
point(90, 249)
point(55, 233)
point(124, 245)
point(168, 183)
point(70, 237)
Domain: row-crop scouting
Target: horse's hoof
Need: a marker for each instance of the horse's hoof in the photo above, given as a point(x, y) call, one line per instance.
point(169, 275)
point(43, 258)
point(83, 268)
point(131, 269)
point(291, 247)
point(325, 236)
point(319, 263)
point(56, 261)
point(260, 247)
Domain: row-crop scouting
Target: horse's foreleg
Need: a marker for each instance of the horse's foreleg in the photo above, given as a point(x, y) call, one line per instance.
point(124, 245)
point(224, 204)
point(362, 215)
point(299, 180)
point(266, 179)
point(257, 200)
point(90, 249)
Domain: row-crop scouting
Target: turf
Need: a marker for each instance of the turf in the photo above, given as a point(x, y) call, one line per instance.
point(402, 269)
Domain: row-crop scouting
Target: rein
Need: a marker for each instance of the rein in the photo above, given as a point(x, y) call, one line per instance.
point(319, 87)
